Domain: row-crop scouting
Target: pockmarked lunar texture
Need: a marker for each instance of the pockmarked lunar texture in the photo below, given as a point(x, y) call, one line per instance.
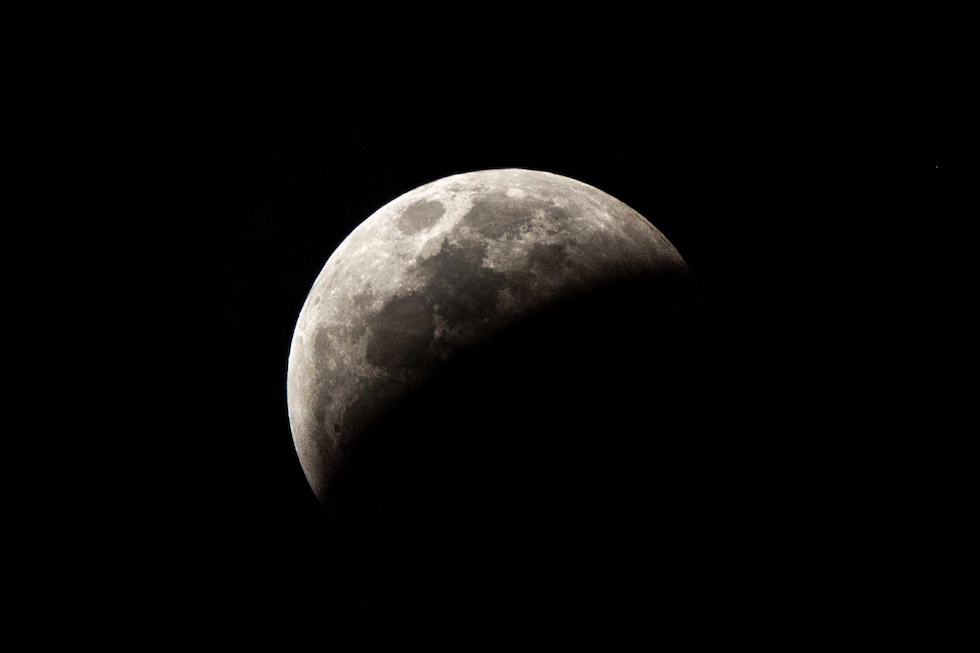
point(446, 269)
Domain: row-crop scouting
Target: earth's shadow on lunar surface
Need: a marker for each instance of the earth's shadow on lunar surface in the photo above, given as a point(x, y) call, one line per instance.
point(577, 439)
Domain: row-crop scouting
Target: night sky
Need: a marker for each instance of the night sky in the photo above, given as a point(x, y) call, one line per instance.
point(802, 190)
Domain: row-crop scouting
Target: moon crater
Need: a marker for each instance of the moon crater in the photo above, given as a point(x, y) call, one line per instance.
point(421, 216)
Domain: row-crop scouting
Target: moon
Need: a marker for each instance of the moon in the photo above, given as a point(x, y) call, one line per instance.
point(490, 343)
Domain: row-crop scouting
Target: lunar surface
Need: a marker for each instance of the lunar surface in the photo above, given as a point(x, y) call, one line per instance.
point(484, 328)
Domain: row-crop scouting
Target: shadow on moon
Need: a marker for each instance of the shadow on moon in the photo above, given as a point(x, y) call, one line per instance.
point(574, 447)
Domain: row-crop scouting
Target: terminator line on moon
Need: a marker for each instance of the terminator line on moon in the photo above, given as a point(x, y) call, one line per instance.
point(440, 268)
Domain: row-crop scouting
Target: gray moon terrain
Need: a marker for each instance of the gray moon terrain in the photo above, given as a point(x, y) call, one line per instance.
point(491, 343)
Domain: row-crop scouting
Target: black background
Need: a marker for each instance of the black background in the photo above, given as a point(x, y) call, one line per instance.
point(806, 177)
